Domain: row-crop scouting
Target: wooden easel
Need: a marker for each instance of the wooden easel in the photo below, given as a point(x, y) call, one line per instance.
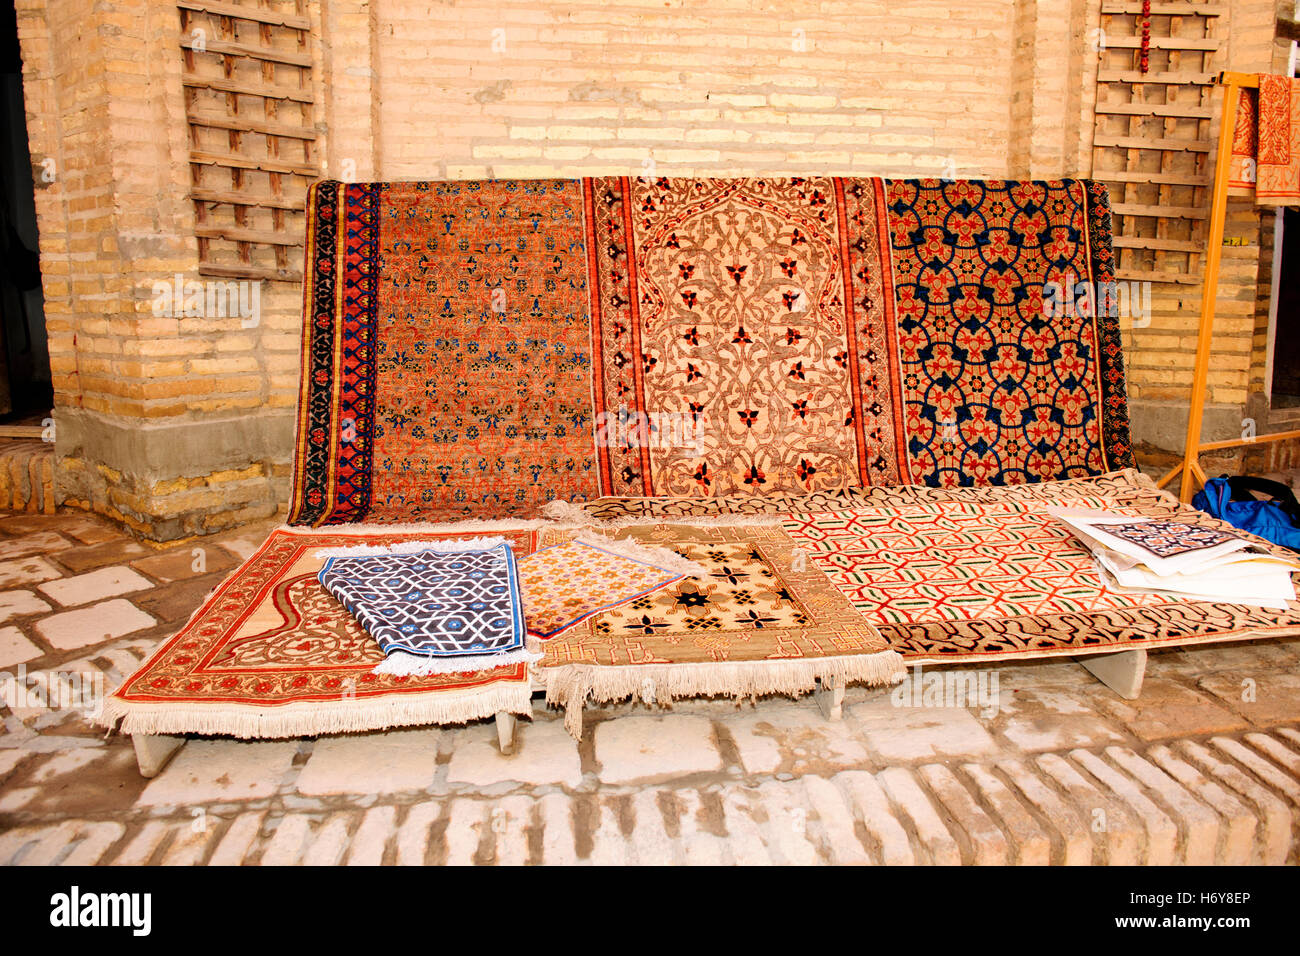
point(1190, 468)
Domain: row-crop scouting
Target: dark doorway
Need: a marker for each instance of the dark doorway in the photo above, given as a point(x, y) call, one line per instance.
point(1286, 331)
point(25, 392)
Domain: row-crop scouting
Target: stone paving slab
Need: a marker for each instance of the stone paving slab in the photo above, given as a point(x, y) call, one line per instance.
point(1154, 807)
point(94, 586)
point(96, 624)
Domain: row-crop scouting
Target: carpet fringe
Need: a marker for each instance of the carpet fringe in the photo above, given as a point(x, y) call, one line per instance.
point(570, 686)
point(411, 547)
point(312, 718)
point(402, 664)
point(664, 558)
point(710, 521)
point(567, 511)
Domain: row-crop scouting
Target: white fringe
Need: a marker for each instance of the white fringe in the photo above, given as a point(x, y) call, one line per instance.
point(310, 718)
point(403, 664)
point(567, 511)
point(571, 685)
point(423, 527)
point(410, 547)
point(665, 558)
point(729, 520)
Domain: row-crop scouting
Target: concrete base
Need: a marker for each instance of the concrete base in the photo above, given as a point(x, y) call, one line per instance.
point(1122, 672)
point(232, 467)
point(154, 751)
point(830, 697)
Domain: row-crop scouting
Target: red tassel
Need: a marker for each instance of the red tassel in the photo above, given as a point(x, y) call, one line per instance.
point(1144, 61)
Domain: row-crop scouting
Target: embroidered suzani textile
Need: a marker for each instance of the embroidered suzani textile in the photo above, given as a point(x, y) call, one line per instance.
point(480, 348)
point(1265, 157)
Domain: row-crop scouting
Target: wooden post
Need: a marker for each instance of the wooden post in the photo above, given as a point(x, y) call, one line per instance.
point(1189, 469)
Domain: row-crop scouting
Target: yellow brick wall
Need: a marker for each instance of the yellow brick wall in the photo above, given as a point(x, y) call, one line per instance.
point(416, 89)
point(527, 88)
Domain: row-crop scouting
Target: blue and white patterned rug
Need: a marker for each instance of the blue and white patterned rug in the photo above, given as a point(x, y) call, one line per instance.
point(447, 607)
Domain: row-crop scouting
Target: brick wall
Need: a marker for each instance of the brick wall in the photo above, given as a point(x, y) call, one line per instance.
point(173, 425)
point(181, 426)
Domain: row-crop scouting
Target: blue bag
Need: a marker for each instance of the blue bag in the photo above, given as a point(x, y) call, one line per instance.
point(1230, 499)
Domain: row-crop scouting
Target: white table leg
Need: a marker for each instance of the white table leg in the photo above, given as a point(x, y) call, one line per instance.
point(506, 724)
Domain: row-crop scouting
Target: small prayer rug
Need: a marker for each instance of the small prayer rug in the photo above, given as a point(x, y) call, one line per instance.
point(563, 584)
point(272, 654)
point(752, 622)
point(447, 607)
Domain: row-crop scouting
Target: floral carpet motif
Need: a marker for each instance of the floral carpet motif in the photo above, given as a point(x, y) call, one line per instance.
point(997, 389)
point(721, 304)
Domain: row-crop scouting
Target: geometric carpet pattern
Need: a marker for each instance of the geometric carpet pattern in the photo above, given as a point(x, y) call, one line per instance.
point(957, 562)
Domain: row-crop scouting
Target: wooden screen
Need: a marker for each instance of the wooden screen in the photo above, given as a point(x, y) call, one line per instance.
point(248, 102)
point(1151, 142)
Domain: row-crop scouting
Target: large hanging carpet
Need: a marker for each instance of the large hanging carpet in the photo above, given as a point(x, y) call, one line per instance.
point(272, 654)
point(480, 348)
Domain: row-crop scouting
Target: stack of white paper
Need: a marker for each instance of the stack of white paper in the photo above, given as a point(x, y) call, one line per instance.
point(1155, 555)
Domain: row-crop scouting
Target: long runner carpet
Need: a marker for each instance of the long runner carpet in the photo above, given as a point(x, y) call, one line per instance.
point(976, 574)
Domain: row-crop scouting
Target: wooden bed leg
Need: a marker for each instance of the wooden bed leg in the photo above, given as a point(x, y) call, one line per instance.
point(1122, 672)
point(830, 697)
point(506, 724)
point(153, 751)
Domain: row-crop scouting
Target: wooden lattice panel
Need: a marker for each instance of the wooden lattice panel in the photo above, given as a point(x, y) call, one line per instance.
point(1151, 143)
point(248, 102)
